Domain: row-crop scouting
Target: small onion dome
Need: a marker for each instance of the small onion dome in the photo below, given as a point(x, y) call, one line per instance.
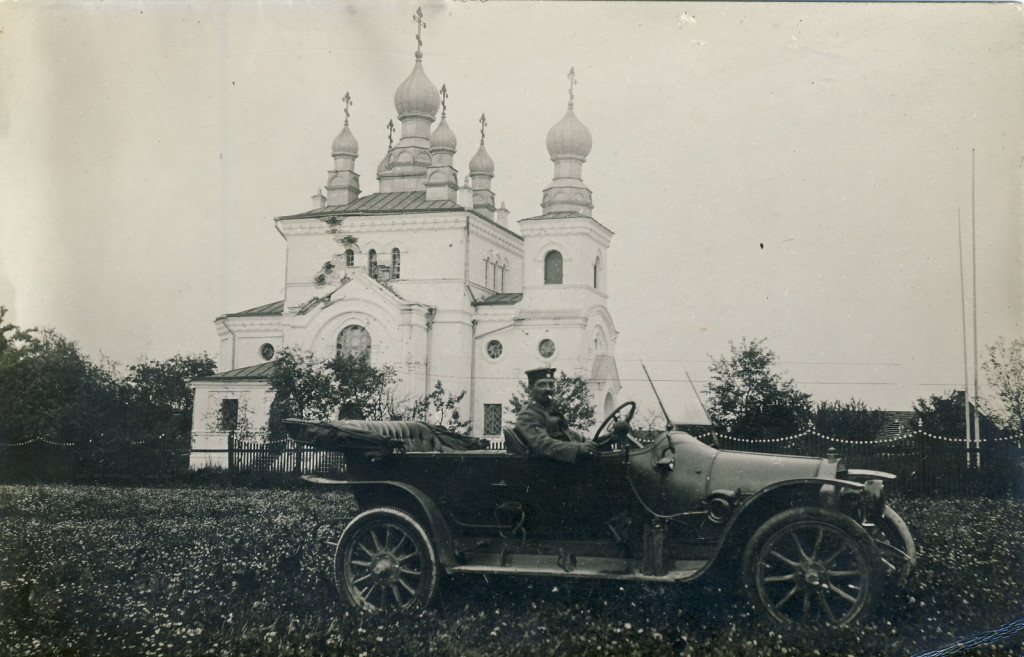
point(385, 164)
point(569, 138)
point(417, 95)
point(443, 138)
point(481, 163)
point(345, 143)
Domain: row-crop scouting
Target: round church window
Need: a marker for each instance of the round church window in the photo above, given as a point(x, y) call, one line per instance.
point(267, 351)
point(494, 348)
point(546, 348)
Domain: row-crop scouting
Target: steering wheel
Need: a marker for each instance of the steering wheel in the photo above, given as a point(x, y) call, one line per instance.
point(607, 439)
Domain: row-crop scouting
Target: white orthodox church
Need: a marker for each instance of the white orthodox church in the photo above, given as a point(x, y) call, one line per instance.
point(430, 277)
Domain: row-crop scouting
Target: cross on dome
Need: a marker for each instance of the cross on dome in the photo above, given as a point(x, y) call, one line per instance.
point(391, 134)
point(572, 83)
point(444, 100)
point(420, 24)
point(347, 99)
point(483, 127)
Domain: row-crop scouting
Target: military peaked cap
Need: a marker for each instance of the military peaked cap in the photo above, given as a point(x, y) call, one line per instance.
point(541, 373)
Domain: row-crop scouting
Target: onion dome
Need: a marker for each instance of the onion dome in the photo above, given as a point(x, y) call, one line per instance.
point(569, 138)
point(481, 162)
point(384, 165)
point(345, 143)
point(417, 96)
point(443, 139)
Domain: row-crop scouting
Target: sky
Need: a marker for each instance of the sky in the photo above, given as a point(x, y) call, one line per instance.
point(786, 171)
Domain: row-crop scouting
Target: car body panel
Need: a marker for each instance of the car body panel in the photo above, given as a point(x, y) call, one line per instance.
point(668, 510)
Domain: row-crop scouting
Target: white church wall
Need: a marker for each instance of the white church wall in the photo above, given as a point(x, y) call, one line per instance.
point(241, 340)
point(491, 244)
point(209, 444)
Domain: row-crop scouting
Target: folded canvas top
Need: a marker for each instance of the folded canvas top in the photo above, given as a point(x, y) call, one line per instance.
point(376, 439)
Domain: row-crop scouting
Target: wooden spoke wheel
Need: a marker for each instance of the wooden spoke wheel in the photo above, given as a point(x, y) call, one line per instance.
point(896, 546)
point(385, 562)
point(809, 567)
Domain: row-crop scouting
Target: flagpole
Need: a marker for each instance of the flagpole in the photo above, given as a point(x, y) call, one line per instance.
point(974, 297)
point(963, 316)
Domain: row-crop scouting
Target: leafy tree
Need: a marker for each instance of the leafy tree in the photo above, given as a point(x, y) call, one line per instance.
point(157, 398)
point(1004, 369)
point(311, 388)
point(49, 390)
point(365, 391)
point(9, 333)
point(304, 387)
point(439, 407)
point(851, 420)
point(943, 415)
point(571, 398)
point(749, 399)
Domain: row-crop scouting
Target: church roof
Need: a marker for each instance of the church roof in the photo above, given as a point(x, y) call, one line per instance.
point(261, 371)
point(382, 203)
point(500, 299)
point(275, 308)
point(564, 214)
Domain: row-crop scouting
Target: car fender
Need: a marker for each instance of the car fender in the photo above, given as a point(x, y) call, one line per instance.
point(749, 513)
point(393, 493)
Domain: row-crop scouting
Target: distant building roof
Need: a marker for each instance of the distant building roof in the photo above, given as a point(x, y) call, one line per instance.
point(275, 308)
point(253, 372)
point(897, 423)
point(382, 203)
point(500, 299)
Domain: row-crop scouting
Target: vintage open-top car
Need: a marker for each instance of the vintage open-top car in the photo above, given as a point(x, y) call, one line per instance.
point(812, 542)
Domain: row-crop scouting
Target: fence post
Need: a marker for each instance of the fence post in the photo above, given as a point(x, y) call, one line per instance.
point(298, 457)
point(231, 451)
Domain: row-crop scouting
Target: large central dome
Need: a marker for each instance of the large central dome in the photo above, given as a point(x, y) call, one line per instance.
point(417, 96)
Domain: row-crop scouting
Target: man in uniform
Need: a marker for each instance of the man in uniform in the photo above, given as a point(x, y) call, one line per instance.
point(545, 430)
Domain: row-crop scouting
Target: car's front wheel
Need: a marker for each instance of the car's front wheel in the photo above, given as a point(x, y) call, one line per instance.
point(811, 567)
point(385, 562)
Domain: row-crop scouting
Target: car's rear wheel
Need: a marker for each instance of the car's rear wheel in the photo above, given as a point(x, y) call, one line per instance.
point(385, 562)
point(810, 567)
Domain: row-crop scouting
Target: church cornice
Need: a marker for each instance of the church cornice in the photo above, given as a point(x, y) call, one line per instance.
point(579, 225)
point(497, 234)
point(236, 325)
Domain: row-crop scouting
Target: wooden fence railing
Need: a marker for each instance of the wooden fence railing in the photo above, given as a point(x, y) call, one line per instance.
point(284, 456)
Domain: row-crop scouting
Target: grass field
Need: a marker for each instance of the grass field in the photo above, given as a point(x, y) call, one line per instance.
point(224, 571)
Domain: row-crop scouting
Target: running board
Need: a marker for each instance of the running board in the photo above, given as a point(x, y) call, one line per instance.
point(575, 566)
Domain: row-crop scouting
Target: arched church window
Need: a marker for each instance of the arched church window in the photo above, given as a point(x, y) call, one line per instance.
point(597, 269)
point(609, 404)
point(396, 263)
point(501, 287)
point(487, 272)
point(494, 275)
point(553, 268)
point(371, 260)
point(354, 340)
point(350, 257)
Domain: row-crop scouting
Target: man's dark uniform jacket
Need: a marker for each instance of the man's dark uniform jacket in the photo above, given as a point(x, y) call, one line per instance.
point(546, 433)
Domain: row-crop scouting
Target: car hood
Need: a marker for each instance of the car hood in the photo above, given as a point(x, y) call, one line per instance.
point(750, 472)
point(676, 473)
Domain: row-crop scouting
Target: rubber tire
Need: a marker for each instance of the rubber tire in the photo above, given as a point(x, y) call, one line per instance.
point(804, 518)
point(422, 558)
point(899, 534)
